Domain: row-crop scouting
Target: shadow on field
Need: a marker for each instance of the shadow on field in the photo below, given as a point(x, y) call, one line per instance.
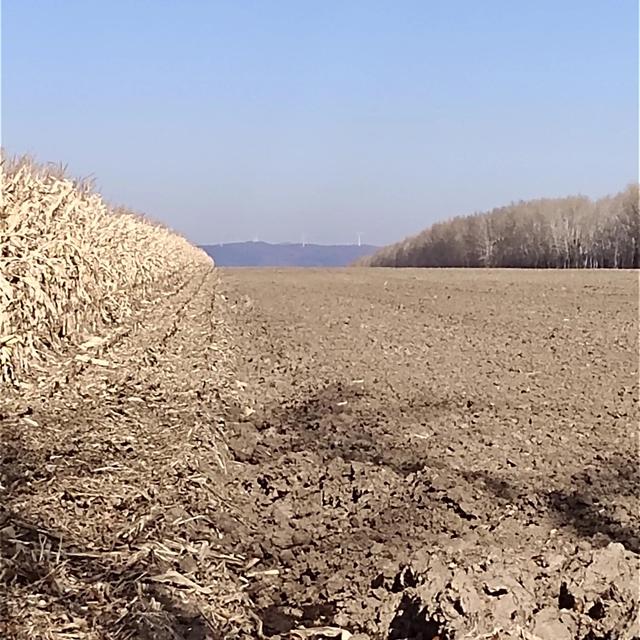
point(71, 584)
point(599, 502)
point(340, 420)
point(334, 454)
point(593, 504)
point(12, 459)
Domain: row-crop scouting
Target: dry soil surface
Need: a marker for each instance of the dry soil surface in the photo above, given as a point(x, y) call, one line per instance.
point(436, 454)
point(415, 455)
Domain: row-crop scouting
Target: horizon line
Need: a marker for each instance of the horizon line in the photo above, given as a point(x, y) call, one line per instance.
point(294, 244)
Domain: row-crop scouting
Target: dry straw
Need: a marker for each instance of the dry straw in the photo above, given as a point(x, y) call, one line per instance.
point(71, 265)
point(113, 361)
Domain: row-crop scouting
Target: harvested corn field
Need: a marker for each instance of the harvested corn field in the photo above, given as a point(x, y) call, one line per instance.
point(424, 455)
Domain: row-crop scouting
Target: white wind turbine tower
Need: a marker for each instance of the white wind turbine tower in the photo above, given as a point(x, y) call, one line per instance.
point(359, 238)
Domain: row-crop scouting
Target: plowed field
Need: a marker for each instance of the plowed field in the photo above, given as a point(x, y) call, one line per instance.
point(438, 454)
point(412, 454)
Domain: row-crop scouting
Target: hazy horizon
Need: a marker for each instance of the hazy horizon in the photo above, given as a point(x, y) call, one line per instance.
point(233, 121)
point(287, 242)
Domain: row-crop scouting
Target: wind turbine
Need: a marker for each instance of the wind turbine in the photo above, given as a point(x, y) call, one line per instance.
point(359, 238)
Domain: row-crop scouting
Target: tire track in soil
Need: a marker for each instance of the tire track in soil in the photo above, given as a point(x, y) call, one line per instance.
point(395, 500)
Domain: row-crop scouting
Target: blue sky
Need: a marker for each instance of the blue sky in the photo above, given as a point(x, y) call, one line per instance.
point(237, 119)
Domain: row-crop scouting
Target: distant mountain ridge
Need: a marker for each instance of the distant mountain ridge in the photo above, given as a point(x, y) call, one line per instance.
point(265, 254)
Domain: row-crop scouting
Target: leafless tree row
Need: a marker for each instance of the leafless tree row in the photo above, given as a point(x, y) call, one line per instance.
point(573, 232)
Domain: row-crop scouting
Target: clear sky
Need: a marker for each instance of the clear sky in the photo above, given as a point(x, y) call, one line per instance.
point(237, 119)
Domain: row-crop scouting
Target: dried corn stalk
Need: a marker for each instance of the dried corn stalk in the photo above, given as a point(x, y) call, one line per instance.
point(70, 265)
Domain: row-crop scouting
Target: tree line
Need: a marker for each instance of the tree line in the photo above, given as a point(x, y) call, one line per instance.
point(551, 233)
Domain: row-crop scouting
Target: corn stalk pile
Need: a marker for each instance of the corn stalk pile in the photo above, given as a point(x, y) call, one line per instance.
point(70, 264)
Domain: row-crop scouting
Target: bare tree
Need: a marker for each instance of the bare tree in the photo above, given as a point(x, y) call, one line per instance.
point(564, 233)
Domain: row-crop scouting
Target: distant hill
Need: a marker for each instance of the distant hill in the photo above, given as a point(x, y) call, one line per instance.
point(264, 254)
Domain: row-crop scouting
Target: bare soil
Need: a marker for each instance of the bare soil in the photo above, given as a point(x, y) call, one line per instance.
point(425, 455)
point(437, 454)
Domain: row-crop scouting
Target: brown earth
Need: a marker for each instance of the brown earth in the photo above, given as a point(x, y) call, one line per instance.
point(425, 454)
point(438, 454)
